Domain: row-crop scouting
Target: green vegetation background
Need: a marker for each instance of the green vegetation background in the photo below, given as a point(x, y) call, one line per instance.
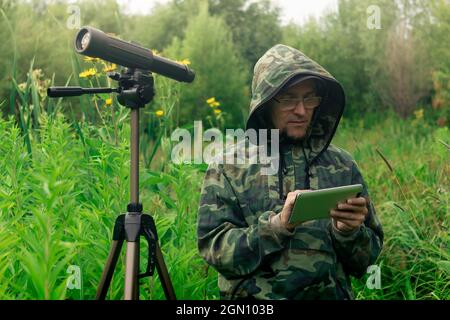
point(64, 165)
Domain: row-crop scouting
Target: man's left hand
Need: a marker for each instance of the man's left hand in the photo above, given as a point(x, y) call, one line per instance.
point(350, 215)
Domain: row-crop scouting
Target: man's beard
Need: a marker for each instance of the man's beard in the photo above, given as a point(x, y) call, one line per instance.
point(285, 138)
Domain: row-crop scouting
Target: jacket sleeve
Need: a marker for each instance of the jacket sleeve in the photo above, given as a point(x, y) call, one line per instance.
point(225, 240)
point(360, 249)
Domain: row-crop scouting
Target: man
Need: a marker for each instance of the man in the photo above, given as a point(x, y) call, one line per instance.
point(243, 229)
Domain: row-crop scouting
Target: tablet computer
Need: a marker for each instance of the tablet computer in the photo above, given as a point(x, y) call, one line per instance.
point(316, 204)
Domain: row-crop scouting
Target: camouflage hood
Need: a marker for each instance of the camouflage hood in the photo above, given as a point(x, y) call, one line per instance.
point(274, 70)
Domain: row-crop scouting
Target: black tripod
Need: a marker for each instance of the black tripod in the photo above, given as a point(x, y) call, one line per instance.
point(136, 89)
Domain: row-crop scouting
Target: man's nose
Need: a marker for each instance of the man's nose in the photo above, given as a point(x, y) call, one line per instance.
point(300, 108)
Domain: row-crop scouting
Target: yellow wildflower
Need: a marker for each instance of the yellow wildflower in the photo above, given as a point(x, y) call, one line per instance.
point(91, 59)
point(217, 111)
point(185, 62)
point(109, 102)
point(22, 86)
point(88, 73)
point(110, 68)
point(159, 113)
point(211, 100)
point(418, 114)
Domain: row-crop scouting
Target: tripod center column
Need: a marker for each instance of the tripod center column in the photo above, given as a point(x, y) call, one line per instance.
point(134, 177)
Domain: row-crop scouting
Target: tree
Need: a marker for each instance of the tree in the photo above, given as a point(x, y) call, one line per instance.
point(409, 74)
point(167, 21)
point(219, 70)
point(255, 26)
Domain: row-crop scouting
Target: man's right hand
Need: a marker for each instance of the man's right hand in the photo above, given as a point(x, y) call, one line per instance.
point(282, 219)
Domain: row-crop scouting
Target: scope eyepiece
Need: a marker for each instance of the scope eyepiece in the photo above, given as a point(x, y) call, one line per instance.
point(82, 41)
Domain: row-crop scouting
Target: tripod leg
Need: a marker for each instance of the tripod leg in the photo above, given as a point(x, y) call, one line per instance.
point(156, 257)
point(164, 275)
point(131, 271)
point(109, 270)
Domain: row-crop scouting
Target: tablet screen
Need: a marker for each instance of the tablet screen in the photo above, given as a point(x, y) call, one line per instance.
point(316, 204)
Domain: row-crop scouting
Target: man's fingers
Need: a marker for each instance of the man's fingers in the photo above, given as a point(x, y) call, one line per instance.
point(344, 227)
point(354, 208)
point(350, 224)
point(291, 196)
point(361, 201)
point(290, 200)
point(346, 215)
point(289, 204)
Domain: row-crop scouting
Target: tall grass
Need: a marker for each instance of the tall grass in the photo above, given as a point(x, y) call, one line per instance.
point(65, 180)
point(406, 167)
point(58, 208)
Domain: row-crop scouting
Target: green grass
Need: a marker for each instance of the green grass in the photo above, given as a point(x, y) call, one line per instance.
point(406, 167)
point(58, 207)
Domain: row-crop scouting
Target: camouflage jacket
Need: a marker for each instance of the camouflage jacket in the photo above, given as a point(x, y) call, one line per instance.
point(256, 260)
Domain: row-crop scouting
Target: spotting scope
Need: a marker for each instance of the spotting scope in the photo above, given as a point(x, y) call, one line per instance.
point(97, 44)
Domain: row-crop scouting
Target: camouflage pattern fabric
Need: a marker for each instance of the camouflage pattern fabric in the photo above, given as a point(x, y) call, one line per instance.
point(256, 260)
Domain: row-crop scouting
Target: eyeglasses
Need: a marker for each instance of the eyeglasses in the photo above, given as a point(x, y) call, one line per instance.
point(288, 104)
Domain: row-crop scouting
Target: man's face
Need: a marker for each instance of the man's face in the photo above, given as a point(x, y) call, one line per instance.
point(293, 121)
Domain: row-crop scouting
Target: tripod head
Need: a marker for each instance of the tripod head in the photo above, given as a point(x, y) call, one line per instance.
point(136, 88)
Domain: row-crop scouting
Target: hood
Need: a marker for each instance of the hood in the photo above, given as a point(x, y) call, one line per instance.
point(273, 71)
